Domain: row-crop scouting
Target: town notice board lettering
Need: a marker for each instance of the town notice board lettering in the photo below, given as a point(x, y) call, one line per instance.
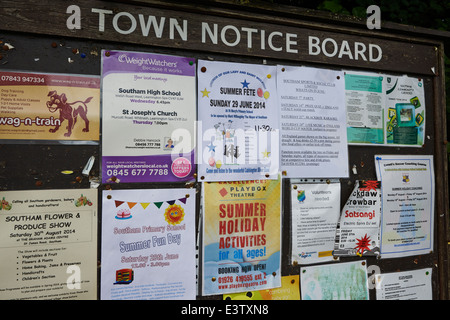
point(218, 31)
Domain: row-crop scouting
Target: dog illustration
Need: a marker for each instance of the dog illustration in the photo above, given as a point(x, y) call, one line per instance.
point(68, 111)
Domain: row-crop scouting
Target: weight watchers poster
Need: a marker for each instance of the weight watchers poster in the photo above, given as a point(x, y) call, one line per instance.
point(148, 117)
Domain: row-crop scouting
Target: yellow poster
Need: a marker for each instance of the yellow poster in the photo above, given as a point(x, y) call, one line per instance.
point(241, 236)
point(290, 290)
point(43, 106)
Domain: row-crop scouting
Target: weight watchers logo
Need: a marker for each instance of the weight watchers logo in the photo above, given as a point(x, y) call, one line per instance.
point(123, 58)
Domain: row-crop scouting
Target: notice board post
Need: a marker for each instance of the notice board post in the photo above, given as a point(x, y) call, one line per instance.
point(77, 35)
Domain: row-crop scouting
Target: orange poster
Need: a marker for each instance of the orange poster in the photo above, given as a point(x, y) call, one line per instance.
point(43, 106)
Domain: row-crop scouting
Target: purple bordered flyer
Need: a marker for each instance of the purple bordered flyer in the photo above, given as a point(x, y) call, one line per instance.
point(148, 117)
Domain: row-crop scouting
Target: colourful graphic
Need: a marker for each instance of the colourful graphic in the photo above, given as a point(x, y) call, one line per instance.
point(301, 196)
point(174, 214)
point(68, 111)
point(362, 245)
point(415, 101)
point(83, 201)
point(124, 276)
point(123, 214)
point(145, 204)
point(367, 185)
point(5, 205)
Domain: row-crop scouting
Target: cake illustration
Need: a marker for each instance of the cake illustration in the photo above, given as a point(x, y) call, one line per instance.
point(123, 214)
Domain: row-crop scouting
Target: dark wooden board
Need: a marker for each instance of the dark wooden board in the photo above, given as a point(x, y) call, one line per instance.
point(39, 166)
point(46, 45)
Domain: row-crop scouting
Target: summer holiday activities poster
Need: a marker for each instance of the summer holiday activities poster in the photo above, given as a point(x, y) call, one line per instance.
point(241, 236)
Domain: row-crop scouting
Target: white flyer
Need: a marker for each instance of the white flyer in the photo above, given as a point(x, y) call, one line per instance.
point(315, 213)
point(148, 244)
point(407, 192)
point(405, 285)
point(313, 130)
point(238, 121)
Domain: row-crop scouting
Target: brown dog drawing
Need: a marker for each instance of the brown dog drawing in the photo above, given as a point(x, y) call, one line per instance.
point(68, 111)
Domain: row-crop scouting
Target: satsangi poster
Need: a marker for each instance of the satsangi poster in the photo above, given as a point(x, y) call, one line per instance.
point(148, 244)
point(358, 232)
point(49, 106)
point(238, 121)
point(241, 236)
point(48, 244)
point(148, 117)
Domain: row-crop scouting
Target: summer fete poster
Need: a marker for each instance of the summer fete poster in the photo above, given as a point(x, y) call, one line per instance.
point(241, 236)
point(48, 244)
point(238, 121)
point(149, 115)
point(49, 106)
point(148, 244)
point(407, 221)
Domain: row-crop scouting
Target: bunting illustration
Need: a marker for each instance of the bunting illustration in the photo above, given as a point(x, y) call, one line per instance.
point(174, 213)
point(146, 204)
